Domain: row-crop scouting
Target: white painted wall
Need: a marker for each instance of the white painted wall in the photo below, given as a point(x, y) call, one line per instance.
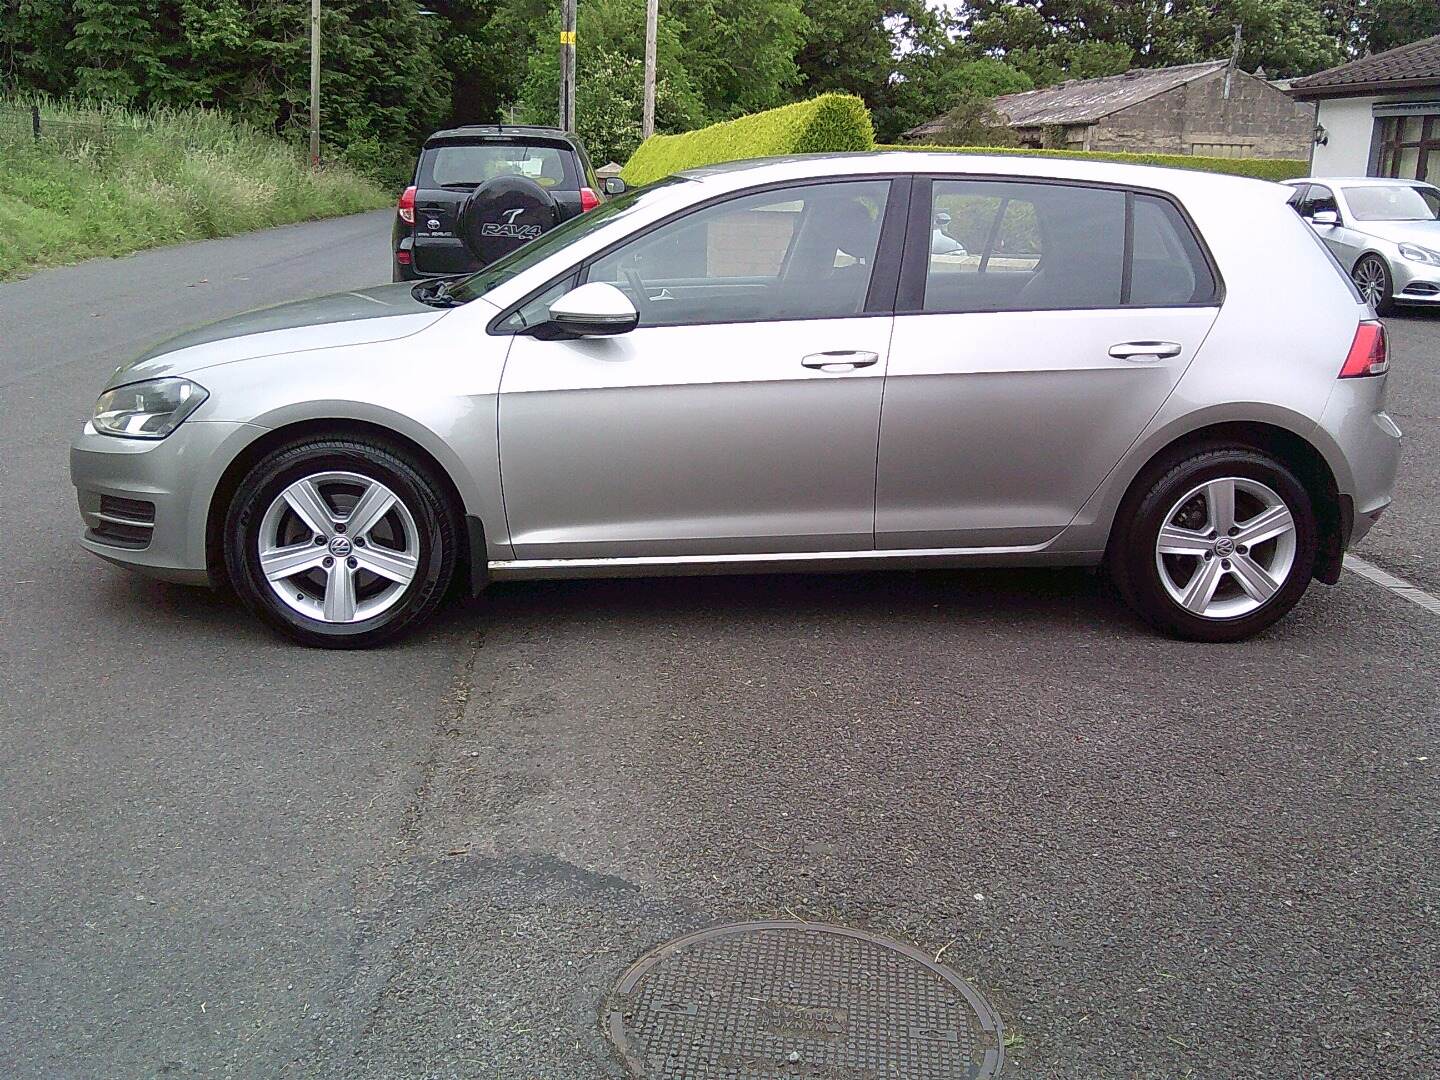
point(1350, 125)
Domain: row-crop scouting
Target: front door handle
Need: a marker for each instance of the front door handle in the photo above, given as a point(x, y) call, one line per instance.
point(1144, 351)
point(841, 359)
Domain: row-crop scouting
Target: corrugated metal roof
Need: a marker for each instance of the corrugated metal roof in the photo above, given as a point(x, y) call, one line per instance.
point(1415, 64)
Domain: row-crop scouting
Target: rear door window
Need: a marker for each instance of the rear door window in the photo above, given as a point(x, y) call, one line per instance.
point(472, 164)
point(1044, 246)
point(1024, 247)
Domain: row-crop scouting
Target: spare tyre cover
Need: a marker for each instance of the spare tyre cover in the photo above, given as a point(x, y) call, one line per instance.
point(503, 213)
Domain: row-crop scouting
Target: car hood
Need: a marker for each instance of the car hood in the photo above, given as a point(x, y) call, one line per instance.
point(382, 313)
point(1425, 233)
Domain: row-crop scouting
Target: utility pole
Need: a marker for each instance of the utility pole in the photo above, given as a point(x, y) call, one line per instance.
point(652, 23)
point(1234, 58)
point(314, 83)
point(567, 65)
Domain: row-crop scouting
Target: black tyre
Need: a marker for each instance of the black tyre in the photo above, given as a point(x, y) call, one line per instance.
point(1372, 277)
point(340, 543)
point(1217, 548)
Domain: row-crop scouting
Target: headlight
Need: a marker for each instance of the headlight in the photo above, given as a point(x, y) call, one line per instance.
point(147, 410)
point(1416, 253)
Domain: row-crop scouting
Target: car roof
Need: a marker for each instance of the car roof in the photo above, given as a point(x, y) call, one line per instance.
point(735, 174)
point(491, 132)
point(1360, 181)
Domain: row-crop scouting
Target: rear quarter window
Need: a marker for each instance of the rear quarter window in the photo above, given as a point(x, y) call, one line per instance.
point(1169, 266)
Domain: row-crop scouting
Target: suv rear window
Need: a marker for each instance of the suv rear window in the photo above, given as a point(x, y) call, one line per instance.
point(471, 164)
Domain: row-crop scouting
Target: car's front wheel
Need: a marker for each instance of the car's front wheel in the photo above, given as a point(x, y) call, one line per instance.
point(1218, 548)
point(341, 543)
point(1372, 277)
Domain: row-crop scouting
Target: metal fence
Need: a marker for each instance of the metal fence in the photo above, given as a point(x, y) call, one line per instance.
point(35, 122)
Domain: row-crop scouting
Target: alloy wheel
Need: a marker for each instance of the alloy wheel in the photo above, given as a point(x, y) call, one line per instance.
point(339, 547)
point(1370, 278)
point(1226, 548)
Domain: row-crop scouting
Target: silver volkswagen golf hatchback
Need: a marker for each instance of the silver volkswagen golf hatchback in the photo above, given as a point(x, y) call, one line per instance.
point(882, 360)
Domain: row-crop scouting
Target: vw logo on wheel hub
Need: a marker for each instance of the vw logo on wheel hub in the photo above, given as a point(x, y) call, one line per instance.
point(340, 546)
point(1224, 547)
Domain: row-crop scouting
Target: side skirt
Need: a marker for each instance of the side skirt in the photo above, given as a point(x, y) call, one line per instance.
point(798, 562)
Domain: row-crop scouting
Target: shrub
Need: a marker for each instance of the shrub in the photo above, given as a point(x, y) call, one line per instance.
point(1259, 168)
point(826, 124)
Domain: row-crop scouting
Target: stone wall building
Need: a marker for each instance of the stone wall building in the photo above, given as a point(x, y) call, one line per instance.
point(1211, 109)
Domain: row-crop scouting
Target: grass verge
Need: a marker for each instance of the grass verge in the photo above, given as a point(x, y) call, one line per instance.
point(109, 181)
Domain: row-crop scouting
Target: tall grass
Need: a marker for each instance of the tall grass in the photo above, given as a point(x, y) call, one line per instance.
point(109, 181)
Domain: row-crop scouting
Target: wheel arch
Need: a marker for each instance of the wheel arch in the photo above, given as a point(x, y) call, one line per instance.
point(1366, 254)
point(1334, 511)
point(472, 560)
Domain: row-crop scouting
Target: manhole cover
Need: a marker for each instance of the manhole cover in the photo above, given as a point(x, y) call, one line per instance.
point(786, 1000)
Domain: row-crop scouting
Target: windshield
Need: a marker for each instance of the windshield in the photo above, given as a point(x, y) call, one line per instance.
point(1393, 202)
point(542, 247)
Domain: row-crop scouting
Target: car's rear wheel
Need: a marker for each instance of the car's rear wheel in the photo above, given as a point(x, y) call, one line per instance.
point(1372, 278)
point(1218, 548)
point(340, 543)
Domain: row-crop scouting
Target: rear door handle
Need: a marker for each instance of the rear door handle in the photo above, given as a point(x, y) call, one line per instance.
point(841, 359)
point(1144, 351)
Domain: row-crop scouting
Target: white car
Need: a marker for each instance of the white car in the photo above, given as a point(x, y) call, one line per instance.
point(1385, 232)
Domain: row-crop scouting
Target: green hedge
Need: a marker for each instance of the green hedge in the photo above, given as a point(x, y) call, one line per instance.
point(1259, 168)
point(827, 124)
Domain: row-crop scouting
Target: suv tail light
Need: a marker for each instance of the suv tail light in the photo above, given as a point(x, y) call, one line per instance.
point(588, 199)
point(406, 206)
point(1369, 352)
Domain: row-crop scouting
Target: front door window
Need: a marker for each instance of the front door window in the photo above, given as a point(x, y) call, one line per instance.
point(804, 252)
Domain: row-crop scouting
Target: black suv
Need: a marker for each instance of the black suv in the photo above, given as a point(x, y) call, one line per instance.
point(480, 192)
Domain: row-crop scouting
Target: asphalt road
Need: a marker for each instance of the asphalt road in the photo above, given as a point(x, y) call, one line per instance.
point(224, 856)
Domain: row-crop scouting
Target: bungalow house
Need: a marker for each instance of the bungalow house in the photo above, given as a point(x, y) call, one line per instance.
point(1379, 115)
point(1211, 108)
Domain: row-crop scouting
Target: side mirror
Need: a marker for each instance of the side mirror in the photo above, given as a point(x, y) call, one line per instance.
point(1325, 217)
point(598, 309)
point(613, 185)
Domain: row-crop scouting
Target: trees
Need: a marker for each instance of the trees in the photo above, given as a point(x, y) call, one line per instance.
point(1048, 38)
point(942, 82)
point(391, 73)
point(739, 53)
point(1388, 23)
point(609, 83)
point(382, 75)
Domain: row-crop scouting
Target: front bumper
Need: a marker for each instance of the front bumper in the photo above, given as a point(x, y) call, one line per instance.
point(1415, 283)
point(145, 504)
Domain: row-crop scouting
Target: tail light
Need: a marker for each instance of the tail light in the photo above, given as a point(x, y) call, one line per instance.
point(406, 206)
point(1369, 352)
point(588, 199)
